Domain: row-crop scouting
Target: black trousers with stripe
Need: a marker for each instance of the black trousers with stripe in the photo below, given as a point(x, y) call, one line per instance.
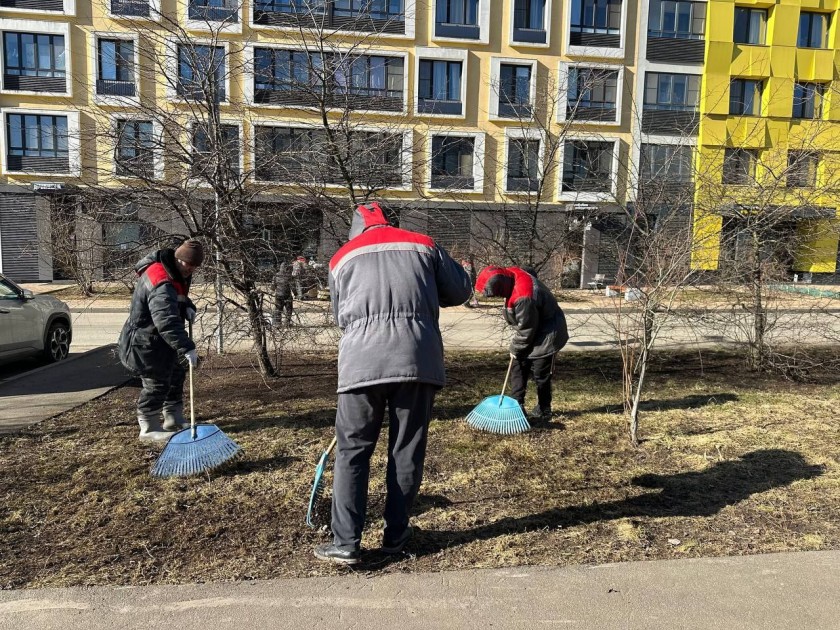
point(358, 423)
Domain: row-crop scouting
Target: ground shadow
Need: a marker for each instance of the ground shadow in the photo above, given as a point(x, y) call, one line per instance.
point(693, 401)
point(702, 493)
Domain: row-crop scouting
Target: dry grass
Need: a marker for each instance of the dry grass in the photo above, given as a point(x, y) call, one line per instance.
point(731, 464)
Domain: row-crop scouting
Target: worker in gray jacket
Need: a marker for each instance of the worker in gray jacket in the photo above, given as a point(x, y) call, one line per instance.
point(154, 339)
point(539, 331)
point(387, 286)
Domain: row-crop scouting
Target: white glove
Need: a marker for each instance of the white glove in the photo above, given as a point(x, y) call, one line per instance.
point(192, 357)
point(512, 356)
point(190, 314)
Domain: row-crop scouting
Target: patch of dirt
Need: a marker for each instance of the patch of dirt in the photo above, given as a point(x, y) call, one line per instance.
point(732, 463)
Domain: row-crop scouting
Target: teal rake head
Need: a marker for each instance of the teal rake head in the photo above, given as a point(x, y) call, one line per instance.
point(194, 451)
point(318, 485)
point(498, 414)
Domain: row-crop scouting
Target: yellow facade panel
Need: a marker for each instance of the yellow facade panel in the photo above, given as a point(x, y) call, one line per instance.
point(816, 250)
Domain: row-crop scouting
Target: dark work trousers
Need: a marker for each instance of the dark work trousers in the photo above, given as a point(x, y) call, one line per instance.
point(357, 426)
point(283, 309)
point(157, 393)
point(540, 370)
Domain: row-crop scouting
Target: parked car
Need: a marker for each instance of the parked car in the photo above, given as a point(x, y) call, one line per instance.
point(32, 324)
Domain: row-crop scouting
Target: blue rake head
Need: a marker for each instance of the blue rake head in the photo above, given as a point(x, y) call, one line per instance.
point(316, 487)
point(498, 414)
point(186, 455)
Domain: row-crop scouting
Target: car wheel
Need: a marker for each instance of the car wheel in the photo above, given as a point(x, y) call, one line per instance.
point(57, 346)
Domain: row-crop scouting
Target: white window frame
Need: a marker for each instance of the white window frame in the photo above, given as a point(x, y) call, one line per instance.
point(483, 24)
point(589, 197)
point(172, 67)
point(40, 27)
point(597, 51)
point(519, 133)
point(547, 25)
point(154, 13)
point(74, 149)
point(93, 60)
point(563, 100)
point(250, 76)
point(157, 131)
point(242, 145)
point(68, 10)
point(478, 160)
point(202, 26)
point(634, 173)
point(410, 26)
point(495, 77)
point(422, 53)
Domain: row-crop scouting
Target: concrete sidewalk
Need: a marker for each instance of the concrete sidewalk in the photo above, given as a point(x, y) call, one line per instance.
point(53, 389)
point(794, 590)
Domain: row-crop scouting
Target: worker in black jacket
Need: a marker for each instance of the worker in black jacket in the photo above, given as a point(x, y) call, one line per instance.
point(540, 331)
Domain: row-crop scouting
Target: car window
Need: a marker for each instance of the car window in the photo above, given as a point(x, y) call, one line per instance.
point(7, 291)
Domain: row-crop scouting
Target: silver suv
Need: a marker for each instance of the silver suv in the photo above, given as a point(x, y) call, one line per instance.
point(32, 324)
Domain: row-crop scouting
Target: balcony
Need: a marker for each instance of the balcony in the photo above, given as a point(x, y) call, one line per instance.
point(354, 99)
point(669, 121)
point(595, 40)
point(33, 5)
point(529, 35)
point(457, 31)
point(655, 192)
point(142, 165)
point(439, 106)
point(522, 184)
point(593, 182)
point(192, 91)
point(514, 110)
point(582, 113)
point(34, 84)
point(286, 13)
point(130, 8)
point(225, 12)
point(115, 88)
point(452, 182)
point(37, 164)
point(664, 48)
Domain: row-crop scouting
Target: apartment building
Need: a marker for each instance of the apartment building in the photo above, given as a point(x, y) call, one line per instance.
point(475, 107)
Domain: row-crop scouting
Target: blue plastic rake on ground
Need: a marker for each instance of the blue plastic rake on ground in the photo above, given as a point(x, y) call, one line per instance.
point(318, 484)
point(499, 414)
point(195, 450)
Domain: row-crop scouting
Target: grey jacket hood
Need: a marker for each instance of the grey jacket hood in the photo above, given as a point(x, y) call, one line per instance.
point(365, 217)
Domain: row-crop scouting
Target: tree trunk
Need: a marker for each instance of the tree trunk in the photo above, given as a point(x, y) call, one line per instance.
point(759, 311)
point(255, 317)
point(633, 420)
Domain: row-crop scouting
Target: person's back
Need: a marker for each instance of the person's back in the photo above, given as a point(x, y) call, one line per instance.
point(387, 286)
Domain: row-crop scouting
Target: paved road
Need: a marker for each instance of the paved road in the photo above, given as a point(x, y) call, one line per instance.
point(795, 590)
point(483, 329)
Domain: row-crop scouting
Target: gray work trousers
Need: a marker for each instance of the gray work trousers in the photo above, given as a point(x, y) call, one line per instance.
point(162, 393)
point(358, 423)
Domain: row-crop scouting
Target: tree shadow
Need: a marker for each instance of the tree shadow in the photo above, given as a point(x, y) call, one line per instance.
point(702, 493)
point(243, 466)
point(692, 401)
point(316, 419)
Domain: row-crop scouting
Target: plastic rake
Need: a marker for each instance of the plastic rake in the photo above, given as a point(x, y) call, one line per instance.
point(499, 414)
point(318, 483)
point(195, 450)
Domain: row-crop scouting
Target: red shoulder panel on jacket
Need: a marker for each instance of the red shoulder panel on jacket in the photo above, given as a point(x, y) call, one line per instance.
point(156, 273)
point(523, 285)
point(380, 236)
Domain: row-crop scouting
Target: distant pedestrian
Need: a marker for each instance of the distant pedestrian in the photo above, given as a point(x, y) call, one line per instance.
point(387, 286)
point(154, 338)
point(298, 271)
point(540, 331)
point(468, 266)
point(283, 304)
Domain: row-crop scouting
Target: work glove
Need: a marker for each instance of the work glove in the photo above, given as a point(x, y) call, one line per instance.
point(190, 314)
point(192, 357)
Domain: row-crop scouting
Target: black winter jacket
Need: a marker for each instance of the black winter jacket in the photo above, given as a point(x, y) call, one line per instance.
point(154, 336)
point(539, 321)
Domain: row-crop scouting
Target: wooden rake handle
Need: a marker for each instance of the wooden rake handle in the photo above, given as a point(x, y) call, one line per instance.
point(192, 406)
point(507, 376)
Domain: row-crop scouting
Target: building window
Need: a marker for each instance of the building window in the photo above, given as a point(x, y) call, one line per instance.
point(34, 62)
point(283, 153)
point(201, 72)
point(802, 169)
point(813, 30)
point(131, 8)
point(677, 20)
point(523, 173)
point(439, 87)
point(452, 162)
point(678, 92)
point(376, 158)
point(284, 70)
point(596, 16)
point(389, 10)
point(587, 166)
point(206, 151)
point(213, 10)
point(750, 25)
point(115, 74)
point(739, 166)
point(36, 136)
point(807, 100)
point(460, 12)
point(370, 75)
point(135, 150)
point(591, 89)
point(666, 163)
point(529, 15)
point(514, 90)
point(745, 97)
